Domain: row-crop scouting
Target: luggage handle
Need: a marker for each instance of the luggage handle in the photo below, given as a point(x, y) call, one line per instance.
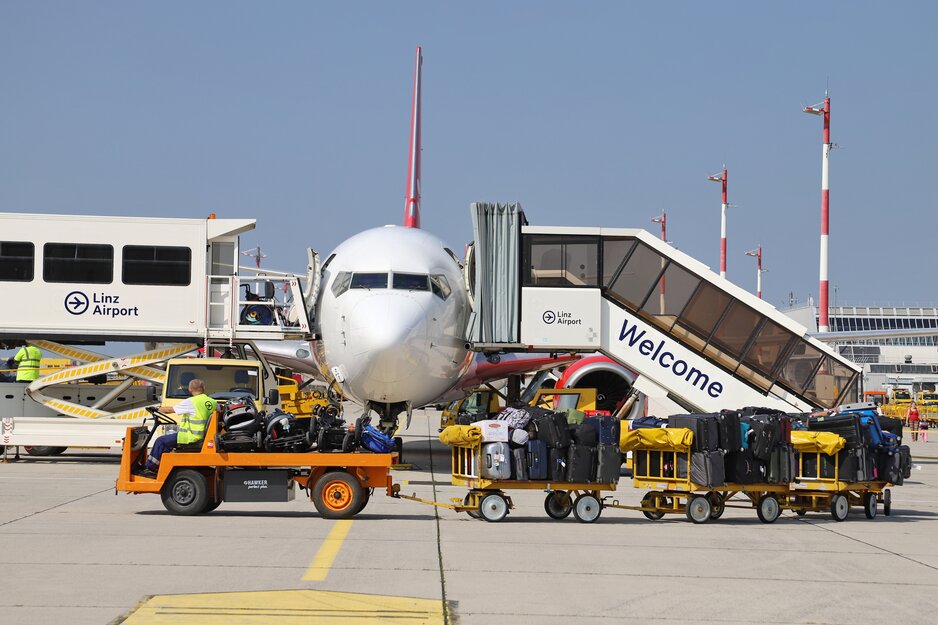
point(488, 461)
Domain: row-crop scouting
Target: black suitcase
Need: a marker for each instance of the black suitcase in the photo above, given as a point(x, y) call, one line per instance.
point(890, 469)
point(765, 439)
point(537, 460)
point(905, 461)
point(552, 429)
point(706, 468)
point(579, 464)
point(849, 464)
point(705, 427)
point(730, 436)
point(519, 464)
point(585, 434)
point(741, 467)
point(892, 425)
point(608, 429)
point(557, 465)
point(608, 464)
point(847, 426)
point(781, 465)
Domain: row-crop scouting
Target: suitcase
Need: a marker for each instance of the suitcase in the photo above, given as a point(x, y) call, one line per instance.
point(493, 431)
point(496, 461)
point(517, 437)
point(705, 427)
point(586, 434)
point(706, 468)
point(557, 464)
point(905, 461)
point(891, 425)
point(741, 467)
point(765, 438)
point(376, 441)
point(516, 417)
point(647, 422)
point(579, 463)
point(608, 464)
point(744, 429)
point(536, 459)
point(519, 464)
point(607, 427)
point(751, 411)
point(890, 469)
point(552, 429)
point(847, 426)
point(730, 433)
point(780, 467)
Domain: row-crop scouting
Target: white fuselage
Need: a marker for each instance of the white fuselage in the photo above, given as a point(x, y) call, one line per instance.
point(392, 316)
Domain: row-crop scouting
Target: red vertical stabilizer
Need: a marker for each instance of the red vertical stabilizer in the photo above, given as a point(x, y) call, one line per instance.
point(412, 202)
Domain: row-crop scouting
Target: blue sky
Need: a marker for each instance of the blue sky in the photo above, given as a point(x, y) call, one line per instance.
point(296, 113)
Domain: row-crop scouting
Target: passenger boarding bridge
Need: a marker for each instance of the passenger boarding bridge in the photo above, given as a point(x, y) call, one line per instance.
point(696, 341)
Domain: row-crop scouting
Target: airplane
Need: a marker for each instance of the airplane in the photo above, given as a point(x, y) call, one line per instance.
point(392, 313)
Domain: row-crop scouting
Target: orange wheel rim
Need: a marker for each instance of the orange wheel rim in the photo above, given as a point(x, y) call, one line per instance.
point(337, 495)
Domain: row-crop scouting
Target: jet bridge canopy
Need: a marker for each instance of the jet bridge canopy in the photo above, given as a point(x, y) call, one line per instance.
point(708, 343)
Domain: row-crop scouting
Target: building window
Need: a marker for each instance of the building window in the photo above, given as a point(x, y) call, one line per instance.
point(78, 263)
point(16, 261)
point(159, 266)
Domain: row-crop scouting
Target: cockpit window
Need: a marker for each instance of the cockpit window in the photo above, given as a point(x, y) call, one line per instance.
point(440, 286)
point(341, 283)
point(369, 281)
point(411, 281)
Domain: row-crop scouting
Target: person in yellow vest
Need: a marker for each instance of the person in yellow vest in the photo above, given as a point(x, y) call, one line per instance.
point(27, 363)
point(195, 413)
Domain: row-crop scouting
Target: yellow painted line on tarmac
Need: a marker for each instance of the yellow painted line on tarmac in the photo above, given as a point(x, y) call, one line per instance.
point(284, 607)
point(319, 569)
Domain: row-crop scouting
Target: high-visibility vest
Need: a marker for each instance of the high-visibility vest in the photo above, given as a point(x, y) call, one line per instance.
point(28, 359)
point(192, 427)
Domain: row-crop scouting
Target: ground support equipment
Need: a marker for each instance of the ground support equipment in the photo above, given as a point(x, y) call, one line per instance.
point(195, 481)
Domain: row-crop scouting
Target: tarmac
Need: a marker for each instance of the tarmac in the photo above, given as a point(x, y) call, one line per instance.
point(73, 552)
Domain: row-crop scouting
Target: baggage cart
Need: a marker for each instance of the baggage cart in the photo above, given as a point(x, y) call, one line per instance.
point(488, 499)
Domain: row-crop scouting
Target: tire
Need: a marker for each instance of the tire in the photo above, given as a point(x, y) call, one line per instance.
point(801, 512)
point(210, 505)
point(768, 509)
point(185, 492)
point(366, 497)
point(45, 451)
point(587, 508)
point(887, 502)
point(348, 443)
point(493, 508)
point(337, 495)
point(472, 513)
point(869, 505)
point(717, 505)
point(698, 509)
point(557, 505)
point(840, 507)
point(647, 502)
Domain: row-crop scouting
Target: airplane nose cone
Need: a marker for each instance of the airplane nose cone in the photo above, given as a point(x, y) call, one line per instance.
point(391, 333)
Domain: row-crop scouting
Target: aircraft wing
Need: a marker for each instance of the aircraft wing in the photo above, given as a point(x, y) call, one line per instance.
point(488, 368)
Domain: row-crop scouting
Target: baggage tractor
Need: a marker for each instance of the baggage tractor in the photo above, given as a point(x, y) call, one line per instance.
point(730, 432)
point(608, 464)
point(608, 428)
point(579, 463)
point(648, 422)
point(585, 434)
point(519, 464)
point(706, 468)
point(905, 461)
point(552, 429)
point(536, 459)
point(557, 465)
point(496, 461)
point(705, 427)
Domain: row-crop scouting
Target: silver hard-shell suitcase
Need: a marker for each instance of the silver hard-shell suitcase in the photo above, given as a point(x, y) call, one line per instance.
point(496, 461)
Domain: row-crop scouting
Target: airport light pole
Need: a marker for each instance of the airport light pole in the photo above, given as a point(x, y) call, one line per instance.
point(758, 255)
point(721, 178)
point(824, 109)
point(663, 220)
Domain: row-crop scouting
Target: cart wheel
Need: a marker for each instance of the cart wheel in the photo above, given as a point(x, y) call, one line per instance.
point(493, 507)
point(717, 505)
point(557, 505)
point(348, 442)
point(801, 512)
point(698, 509)
point(587, 508)
point(839, 507)
point(648, 501)
point(768, 509)
point(185, 492)
point(337, 495)
point(887, 502)
point(472, 513)
point(869, 505)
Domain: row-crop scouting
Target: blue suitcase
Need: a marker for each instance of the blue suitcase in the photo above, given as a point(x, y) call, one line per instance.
point(536, 459)
point(608, 429)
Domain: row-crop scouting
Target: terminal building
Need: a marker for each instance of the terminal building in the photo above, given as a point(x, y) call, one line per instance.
point(909, 361)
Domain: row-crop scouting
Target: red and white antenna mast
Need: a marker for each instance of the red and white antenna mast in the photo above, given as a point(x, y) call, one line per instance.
point(758, 254)
point(412, 203)
point(824, 109)
point(721, 178)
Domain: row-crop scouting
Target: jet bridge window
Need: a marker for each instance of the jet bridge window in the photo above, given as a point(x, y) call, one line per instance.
point(562, 261)
point(411, 282)
point(16, 261)
point(78, 262)
point(156, 265)
point(369, 281)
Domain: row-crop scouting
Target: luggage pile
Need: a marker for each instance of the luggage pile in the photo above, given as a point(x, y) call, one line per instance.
point(872, 447)
point(529, 443)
